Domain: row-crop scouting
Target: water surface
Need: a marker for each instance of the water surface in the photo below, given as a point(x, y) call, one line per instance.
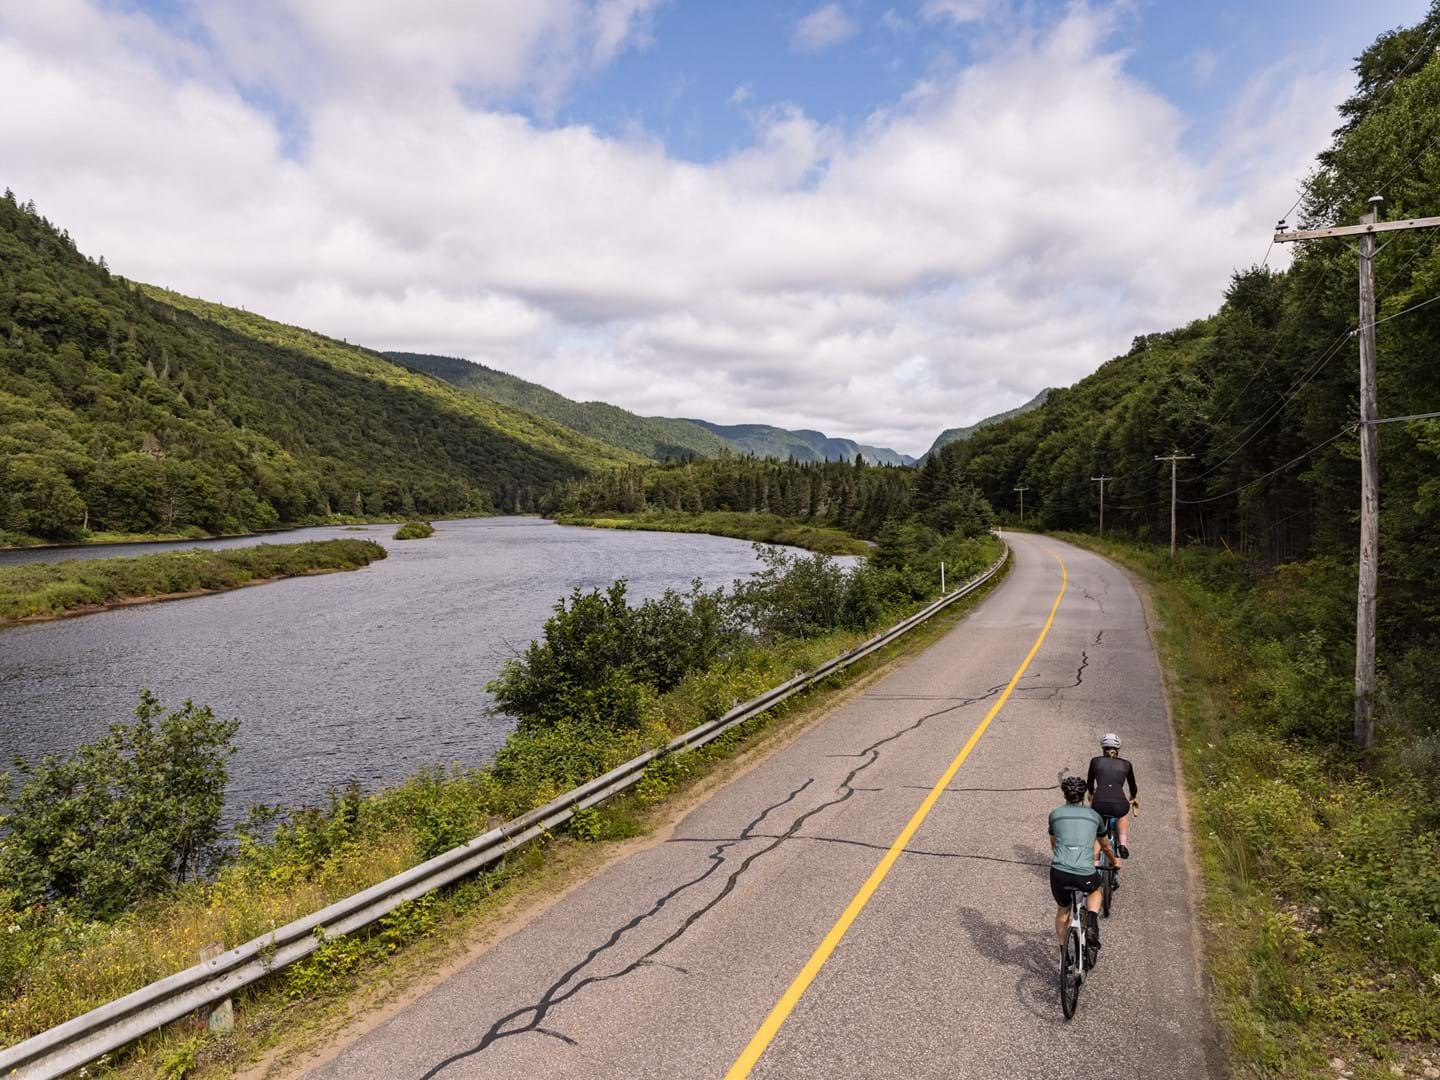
point(367, 674)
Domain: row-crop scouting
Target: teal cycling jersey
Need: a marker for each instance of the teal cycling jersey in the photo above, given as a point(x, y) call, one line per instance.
point(1075, 828)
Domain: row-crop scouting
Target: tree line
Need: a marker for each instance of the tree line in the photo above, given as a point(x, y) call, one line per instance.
point(859, 498)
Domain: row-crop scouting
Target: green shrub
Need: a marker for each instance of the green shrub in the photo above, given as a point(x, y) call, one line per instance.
point(121, 818)
point(415, 530)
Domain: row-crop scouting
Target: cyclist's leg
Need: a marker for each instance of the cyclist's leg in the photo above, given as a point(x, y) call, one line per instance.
point(1124, 827)
point(1092, 918)
point(1062, 923)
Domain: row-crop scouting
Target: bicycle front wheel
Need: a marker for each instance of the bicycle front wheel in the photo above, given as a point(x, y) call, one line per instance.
point(1107, 889)
point(1071, 960)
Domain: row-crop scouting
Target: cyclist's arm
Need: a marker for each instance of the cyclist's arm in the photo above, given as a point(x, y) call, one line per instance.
point(1104, 842)
point(1130, 777)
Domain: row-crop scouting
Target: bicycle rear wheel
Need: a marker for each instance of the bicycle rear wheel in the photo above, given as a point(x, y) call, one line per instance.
point(1070, 972)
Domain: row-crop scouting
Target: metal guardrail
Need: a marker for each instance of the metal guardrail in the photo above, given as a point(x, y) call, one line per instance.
point(79, 1041)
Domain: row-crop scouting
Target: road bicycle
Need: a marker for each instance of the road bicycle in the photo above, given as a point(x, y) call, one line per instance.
point(1109, 871)
point(1076, 957)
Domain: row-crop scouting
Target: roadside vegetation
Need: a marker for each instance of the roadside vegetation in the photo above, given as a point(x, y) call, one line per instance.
point(762, 528)
point(605, 681)
point(415, 530)
point(37, 590)
point(1319, 861)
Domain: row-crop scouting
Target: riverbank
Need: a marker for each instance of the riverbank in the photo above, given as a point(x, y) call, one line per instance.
point(34, 591)
point(763, 528)
point(1318, 862)
point(10, 541)
point(55, 965)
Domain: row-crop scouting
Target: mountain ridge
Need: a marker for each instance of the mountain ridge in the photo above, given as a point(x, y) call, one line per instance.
point(657, 437)
point(959, 434)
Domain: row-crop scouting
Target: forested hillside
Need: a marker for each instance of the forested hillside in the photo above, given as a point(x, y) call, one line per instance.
point(958, 434)
point(654, 437)
point(802, 445)
point(137, 410)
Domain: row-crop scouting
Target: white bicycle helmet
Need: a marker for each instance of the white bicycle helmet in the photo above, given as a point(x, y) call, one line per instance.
point(1109, 741)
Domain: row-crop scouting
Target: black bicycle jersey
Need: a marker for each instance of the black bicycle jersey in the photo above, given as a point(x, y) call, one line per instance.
point(1107, 780)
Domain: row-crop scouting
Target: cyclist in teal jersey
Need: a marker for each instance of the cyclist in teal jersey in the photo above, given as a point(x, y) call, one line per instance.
point(1076, 831)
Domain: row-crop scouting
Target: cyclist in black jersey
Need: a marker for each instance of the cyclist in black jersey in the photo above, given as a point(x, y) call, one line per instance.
point(1109, 775)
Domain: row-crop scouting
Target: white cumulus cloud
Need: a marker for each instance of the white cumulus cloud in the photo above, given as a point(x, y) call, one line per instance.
point(827, 25)
point(1006, 229)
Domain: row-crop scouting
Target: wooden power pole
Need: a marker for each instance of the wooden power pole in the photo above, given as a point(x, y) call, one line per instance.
point(1022, 489)
point(1370, 225)
point(1172, 459)
point(1103, 480)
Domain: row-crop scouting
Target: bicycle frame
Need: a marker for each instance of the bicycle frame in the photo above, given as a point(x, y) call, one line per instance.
point(1073, 978)
point(1107, 867)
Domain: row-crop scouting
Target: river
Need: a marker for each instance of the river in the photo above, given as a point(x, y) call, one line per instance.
point(369, 674)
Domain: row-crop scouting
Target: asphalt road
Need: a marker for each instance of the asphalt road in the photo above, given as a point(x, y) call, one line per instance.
point(668, 962)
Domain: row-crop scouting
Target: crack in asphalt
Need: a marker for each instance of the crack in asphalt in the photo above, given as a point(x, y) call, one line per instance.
point(558, 991)
point(1055, 690)
point(563, 988)
point(866, 844)
point(1098, 639)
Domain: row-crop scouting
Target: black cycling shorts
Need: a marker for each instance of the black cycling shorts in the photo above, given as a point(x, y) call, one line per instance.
point(1062, 881)
point(1111, 811)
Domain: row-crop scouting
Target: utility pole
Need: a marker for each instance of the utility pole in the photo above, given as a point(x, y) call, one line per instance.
point(1370, 224)
point(1172, 459)
point(1103, 480)
point(1022, 489)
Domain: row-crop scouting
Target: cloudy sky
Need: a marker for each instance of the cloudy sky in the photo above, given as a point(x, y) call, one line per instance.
point(873, 217)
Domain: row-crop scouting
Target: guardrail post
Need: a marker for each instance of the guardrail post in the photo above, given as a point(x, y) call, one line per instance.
point(219, 1019)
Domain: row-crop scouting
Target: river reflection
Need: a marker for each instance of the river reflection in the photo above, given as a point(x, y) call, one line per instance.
point(369, 674)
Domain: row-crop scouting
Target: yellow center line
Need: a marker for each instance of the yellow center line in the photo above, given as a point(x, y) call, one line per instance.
point(778, 1015)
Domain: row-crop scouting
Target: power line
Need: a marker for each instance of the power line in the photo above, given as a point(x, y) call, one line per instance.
point(1403, 311)
point(1279, 407)
point(1399, 419)
point(1272, 472)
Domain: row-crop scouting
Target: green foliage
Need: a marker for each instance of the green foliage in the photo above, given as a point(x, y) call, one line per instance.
point(137, 410)
point(179, 1061)
point(601, 660)
point(793, 596)
point(122, 818)
point(853, 497)
point(601, 663)
point(39, 589)
point(415, 530)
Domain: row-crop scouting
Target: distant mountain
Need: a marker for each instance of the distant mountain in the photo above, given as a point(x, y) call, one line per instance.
point(762, 440)
point(653, 436)
point(960, 433)
point(656, 437)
